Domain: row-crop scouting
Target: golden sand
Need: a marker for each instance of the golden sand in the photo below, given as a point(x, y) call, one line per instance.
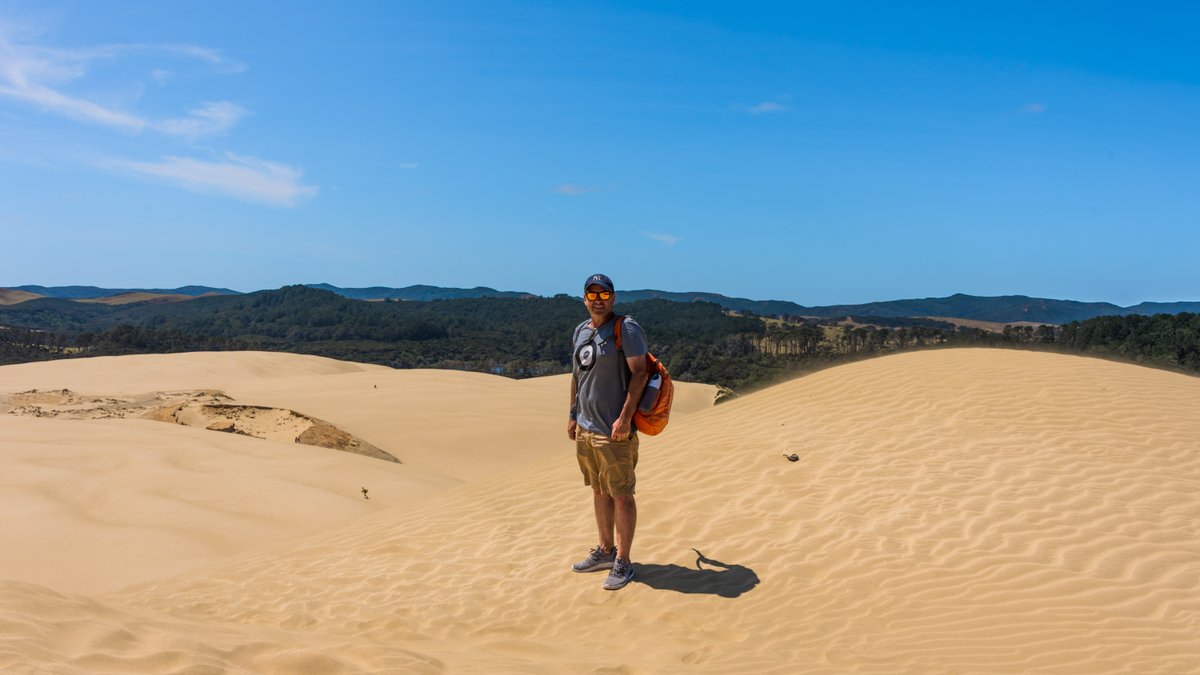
point(955, 511)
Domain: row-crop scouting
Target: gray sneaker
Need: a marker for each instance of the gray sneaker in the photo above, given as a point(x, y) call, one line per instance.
point(621, 574)
point(597, 560)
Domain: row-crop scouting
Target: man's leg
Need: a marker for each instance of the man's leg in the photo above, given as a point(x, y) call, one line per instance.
point(625, 508)
point(604, 518)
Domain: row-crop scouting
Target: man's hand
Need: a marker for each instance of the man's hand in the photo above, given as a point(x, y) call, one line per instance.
point(620, 430)
point(571, 424)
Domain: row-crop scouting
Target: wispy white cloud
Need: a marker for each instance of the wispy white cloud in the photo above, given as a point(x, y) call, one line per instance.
point(45, 78)
point(665, 239)
point(30, 74)
point(246, 178)
point(210, 120)
point(39, 76)
point(69, 106)
point(210, 56)
point(80, 57)
point(572, 190)
point(408, 166)
point(1033, 109)
point(766, 107)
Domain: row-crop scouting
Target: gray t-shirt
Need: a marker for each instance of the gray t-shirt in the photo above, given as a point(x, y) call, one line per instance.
point(601, 375)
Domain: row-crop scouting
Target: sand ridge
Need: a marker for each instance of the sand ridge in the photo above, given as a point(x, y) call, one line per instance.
point(165, 372)
point(952, 511)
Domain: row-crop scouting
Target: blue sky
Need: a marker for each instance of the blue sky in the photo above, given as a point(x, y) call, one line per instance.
point(822, 152)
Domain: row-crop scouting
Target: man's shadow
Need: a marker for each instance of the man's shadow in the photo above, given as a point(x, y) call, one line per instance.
point(729, 581)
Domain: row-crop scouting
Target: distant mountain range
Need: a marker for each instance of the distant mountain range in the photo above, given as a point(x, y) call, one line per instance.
point(419, 293)
point(999, 309)
point(90, 292)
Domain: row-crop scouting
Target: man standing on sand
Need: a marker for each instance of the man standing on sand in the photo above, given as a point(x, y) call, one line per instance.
point(606, 385)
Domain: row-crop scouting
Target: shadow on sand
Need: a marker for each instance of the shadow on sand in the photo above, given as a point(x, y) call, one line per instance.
point(729, 581)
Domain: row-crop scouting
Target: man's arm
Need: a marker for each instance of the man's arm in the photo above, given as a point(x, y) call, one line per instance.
point(571, 422)
point(639, 374)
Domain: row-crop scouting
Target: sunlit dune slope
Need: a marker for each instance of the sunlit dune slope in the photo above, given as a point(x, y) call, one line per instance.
point(952, 511)
point(459, 424)
point(160, 372)
point(89, 505)
point(95, 504)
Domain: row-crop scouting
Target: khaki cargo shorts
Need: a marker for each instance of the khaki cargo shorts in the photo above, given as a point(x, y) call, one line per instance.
point(607, 465)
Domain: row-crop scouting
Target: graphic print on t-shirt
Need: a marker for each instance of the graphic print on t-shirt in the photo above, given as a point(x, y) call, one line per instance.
point(586, 356)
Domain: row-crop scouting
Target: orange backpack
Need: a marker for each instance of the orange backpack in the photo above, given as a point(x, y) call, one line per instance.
point(654, 409)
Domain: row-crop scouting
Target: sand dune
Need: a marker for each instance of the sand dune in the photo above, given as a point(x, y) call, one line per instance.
point(165, 372)
point(85, 478)
point(952, 511)
point(465, 425)
point(136, 499)
point(458, 424)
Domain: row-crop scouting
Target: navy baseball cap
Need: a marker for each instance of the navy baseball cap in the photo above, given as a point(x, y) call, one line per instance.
point(599, 280)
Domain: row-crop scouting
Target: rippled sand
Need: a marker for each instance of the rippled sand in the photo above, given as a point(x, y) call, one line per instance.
point(952, 511)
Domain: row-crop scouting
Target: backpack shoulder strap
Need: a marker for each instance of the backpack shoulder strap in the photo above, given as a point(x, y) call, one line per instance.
point(618, 323)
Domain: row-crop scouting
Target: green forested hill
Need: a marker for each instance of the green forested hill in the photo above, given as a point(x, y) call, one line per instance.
point(1000, 309)
point(513, 336)
point(419, 292)
point(528, 336)
point(81, 292)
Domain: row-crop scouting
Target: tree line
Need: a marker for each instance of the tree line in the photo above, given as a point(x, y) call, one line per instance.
point(525, 337)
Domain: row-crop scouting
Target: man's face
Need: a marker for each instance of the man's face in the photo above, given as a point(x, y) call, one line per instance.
point(596, 303)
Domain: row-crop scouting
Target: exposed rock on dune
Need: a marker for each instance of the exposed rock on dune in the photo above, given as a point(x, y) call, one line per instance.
point(207, 409)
